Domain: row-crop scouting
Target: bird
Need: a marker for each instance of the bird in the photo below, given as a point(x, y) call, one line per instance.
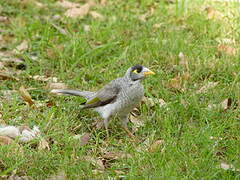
point(117, 98)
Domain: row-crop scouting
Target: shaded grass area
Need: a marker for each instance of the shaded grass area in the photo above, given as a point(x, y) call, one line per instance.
point(88, 60)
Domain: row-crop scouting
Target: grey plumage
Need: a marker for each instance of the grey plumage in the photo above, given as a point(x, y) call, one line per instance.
point(119, 97)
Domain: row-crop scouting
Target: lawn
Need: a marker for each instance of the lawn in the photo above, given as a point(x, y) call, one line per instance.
point(188, 126)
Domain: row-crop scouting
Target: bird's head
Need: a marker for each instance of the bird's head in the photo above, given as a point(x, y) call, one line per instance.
point(138, 72)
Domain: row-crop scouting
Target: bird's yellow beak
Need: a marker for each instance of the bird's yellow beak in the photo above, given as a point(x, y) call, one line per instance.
point(148, 73)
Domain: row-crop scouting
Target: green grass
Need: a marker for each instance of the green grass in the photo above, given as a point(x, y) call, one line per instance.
point(88, 60)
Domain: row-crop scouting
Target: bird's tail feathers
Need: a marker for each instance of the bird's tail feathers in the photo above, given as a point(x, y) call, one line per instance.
point(85, 94)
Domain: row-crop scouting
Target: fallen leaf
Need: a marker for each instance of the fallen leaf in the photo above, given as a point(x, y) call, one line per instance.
point(26, 96)
point(213, 13)
point(78, 12)
point(96, 15)
point(226, 166)
point(44, 78)
point(143, 17)
point(136, 123)
point(175, 83)
point(156, 146)
point(226, 41)
point(5, 140)
point(1, 65)
point(226, 104)
point(23, 46)
point(115, 155)
point(170, 1)
point(5, 76)
point(206, 87)
point(86, 28)
point(52, 53)
point(9, 60)
point(148, 101)
point(60, 176)
point(222, 48)
point(67, 4)
point(157, 26)
point(183, 61)
point(95, 162)
point(61, 30)
point(38, 4)
point(151, 102)
point(103, 2)
point(118, 172)
point(97, 172)
point(3, 18)
point(43, 144)
point(56, 86)
point(85, 139)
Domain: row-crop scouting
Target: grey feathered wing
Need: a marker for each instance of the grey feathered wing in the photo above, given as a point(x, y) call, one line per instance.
point(104, 96)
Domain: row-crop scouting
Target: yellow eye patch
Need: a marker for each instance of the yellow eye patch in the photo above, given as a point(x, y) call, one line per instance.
point(135, 71)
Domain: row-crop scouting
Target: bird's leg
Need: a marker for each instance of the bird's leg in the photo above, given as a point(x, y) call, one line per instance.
point(106, 121)
point(125, 121)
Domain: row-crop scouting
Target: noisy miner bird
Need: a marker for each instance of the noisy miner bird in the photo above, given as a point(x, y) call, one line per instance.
point(119, 97)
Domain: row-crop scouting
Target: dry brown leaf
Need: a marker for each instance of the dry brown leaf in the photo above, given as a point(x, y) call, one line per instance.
point(226, 41)
point(226, 104)
point(206, 87)
point(115, 155)
point(103, 2)
point(78, 12)
point(3, 18)
point(52, 53)
point(118, 172)
point(39, 4)
point(136, 123)
point(95, 162)
point(43, 144)
point(222, 48)
point(44, 78)
point(67, 4)
point(60, 176)
point(86, 28)
point(8, 60)
point(213, 13)
point(56, 86)
point(5, 140)
point(226, 166)
point(85, 139)
point(143, 17)
point(175, 83)
point(96, 15)
point(157, 26)
point(110, 155)
point(23, 46)
point(183, 61)
point(150, 102)
point(7, 76)
point(170, 1)
point(60, 29)
point(26, 96)
point(156, 146)
point(1, 65)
